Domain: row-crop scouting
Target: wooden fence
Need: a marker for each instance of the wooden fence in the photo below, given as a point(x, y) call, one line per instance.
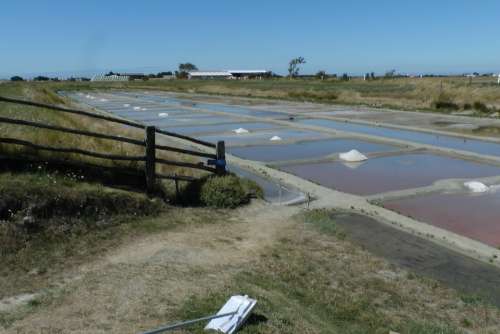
point(215, 162)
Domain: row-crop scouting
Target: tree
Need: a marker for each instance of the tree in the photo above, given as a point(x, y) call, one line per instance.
point(186, 67)
point(41, 78)
point(390, 73)
point(16, 78)
point(321, 75)
point(162, 74)
point(182, 73)
point(346, 77)
point(293, 66)
point(372, 75)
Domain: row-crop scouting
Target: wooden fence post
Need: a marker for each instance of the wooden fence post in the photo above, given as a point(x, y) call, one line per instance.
point(150, 169)
point(220, 165)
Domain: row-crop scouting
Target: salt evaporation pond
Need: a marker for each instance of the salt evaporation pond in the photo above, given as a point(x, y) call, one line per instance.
point(306, 150)
point(390, 173)
point(226, 127)
point(265, 136)
point(237, 110)
point(476, 216)
point(458, 143)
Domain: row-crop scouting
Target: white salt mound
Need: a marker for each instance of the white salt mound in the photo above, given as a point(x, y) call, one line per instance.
point(137, 108)
point(163, 114)
point(144, 109)
point(103, 100)
point(126, 105)
point(353, 156)
point(273, 138)
point(240, 130)
point(476, 187)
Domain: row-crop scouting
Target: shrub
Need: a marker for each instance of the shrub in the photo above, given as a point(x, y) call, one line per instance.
point(312, 96)
point(445, 102)
point(467, 106)
point(480, 106)
point(448, 105)
point(223, 192)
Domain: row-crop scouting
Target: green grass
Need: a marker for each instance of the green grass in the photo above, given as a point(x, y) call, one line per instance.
point(321, 220)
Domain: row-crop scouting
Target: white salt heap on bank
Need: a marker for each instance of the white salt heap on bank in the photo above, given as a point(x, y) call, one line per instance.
point(240, 131)
point(274, 138)
point(476, 187)
point(162, 114)
point(353, 156)
point(126, 105)
point(137, 108)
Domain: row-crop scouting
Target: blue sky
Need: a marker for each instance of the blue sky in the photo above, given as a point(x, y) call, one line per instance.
point(358, 36)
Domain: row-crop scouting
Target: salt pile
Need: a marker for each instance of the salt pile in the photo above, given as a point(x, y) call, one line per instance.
point(144, 109)
point(476, 187)
point(162, 114)
point(240, 131)
point(103, 100)
point(137, 108)
point(353, 156)
point(274, 138)
point(126, 105)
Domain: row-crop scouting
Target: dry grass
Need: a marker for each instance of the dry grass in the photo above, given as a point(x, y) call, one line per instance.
point(312, 281)
point(306, 278)
point(45, 93)
point(401, 93)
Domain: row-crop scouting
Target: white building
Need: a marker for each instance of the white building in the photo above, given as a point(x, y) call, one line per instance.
point(114, 77)
point(229, 74)
point(209, 75)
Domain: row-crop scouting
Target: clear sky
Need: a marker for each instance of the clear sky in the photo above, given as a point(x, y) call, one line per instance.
point(357, 36)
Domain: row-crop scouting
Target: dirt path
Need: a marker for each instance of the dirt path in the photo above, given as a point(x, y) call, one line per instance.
point(130, 288)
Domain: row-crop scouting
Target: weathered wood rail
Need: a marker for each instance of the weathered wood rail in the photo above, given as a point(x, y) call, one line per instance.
point(215, 162)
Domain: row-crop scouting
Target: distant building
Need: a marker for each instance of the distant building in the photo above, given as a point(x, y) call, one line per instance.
point(248, 74)
point(229, 74)
point(118, 77)
point(113, 77)
point(209, 75)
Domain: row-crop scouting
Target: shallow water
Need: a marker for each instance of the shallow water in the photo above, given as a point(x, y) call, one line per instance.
point(187, 121)
point(306, 150)
point(227, 127)
point(273, 191)
point(459, 143)
point(390, 173)
point(476, 216)
point(264, 136)
point(236, 110)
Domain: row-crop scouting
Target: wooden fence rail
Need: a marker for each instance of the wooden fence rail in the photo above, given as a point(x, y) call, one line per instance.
point(103, 117)
point(21, 142)
point(217, 160)
point(73, 131)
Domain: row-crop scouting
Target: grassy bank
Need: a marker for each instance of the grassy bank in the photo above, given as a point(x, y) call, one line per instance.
point(314, 281)
point(479, 95)
point(46, 93)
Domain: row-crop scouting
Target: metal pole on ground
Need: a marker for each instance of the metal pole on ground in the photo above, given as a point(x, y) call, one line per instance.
point(187, 323)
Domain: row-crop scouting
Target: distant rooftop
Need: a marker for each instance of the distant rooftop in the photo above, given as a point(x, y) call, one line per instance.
point(210, 73)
